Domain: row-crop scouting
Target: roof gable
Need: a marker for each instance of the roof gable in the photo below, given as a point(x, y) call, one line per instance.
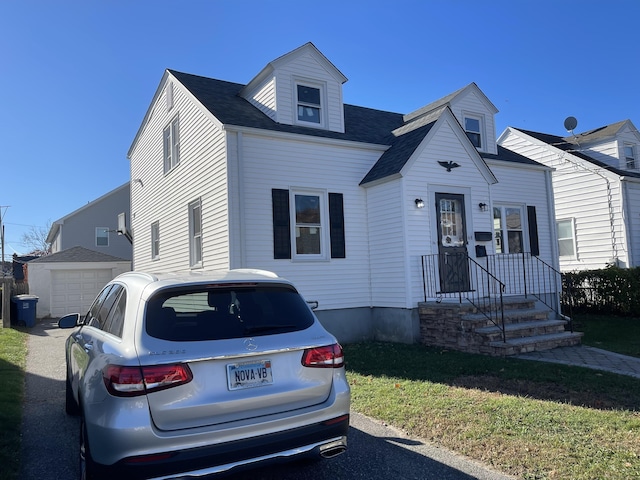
point(412, 138)
point(306, 49)
point(55, 226)
point(569, 145)
point(451, 99)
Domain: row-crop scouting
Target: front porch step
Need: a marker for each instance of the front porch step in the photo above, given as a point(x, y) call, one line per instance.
point(536, 343)
point(522, 329)
point(511, 316)
point(529, 326)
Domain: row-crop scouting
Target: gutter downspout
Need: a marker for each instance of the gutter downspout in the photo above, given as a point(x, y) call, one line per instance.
point(624, 201)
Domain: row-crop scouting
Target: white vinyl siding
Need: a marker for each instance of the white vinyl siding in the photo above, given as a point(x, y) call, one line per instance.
point(472, 106)
point(264, 99)
point(202, 173)
point(388, 249)
point(306, 70)
point(589, 195)
point(269, 163)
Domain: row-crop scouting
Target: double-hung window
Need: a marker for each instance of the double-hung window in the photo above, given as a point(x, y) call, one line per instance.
point(629, 156)
point(171, 145)
point(308, 224)
point(566, 238)
point(508, 228)
point(308, 217)
point(309, 104)
point(155, 240)
point(473, 128)
point(102, 237)
point(195, 233)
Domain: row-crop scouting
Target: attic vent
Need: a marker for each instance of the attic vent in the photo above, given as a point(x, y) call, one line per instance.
point(169, 96)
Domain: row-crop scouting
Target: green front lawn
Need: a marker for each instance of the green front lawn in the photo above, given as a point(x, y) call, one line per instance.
point(13, 353)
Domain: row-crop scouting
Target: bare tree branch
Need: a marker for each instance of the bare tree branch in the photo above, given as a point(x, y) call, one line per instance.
point(36, 240)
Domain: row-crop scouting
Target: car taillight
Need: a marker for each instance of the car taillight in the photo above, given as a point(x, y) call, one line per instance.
point(131, 381)
point(330, 356)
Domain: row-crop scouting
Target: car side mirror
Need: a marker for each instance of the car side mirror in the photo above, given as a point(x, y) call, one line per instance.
point(69, 321)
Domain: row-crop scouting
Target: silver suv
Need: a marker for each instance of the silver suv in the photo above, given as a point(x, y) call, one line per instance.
point(178, 376)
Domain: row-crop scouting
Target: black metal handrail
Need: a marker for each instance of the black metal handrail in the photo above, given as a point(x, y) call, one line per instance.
point(526, 274)
point(480, 287)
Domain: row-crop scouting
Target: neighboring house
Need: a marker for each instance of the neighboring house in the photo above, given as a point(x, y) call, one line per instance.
point(596, 180)
point(94, 226)
point(68, 281)
point(356, 206)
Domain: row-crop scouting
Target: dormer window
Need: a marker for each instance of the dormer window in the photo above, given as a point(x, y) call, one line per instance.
point(473, 128)
point(629, 156)
point(309, 104)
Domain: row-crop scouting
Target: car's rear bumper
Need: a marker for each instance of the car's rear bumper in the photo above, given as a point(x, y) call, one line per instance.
point(328, 438)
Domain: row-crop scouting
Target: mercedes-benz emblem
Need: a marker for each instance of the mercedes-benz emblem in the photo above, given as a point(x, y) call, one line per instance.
point(250, 344)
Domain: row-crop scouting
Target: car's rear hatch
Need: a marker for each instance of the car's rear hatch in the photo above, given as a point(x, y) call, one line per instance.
point(243, 345)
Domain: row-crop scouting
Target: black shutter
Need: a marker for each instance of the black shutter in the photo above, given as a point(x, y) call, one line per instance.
point(336, 225)
point(281, 229)
point(533, 231)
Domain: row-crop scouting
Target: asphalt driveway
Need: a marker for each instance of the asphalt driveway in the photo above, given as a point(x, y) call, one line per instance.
point(376, 452)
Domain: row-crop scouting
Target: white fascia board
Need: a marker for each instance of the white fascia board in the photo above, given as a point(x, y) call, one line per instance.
point(523, 166)
point(150, 110)
point(298, 137)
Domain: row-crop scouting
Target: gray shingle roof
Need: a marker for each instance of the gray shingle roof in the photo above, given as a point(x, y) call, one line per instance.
point(78, 255)
point(569, 144)
point(362, 124)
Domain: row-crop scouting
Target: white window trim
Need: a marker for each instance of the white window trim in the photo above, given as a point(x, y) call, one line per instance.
point(573, 238)
point(155, 240)
point(172, 132)
point(323, 102)
point(482, 127)
point(102, 229)
point(524, 227)
point(633, 156)
point(195, 256)
point(325, 241)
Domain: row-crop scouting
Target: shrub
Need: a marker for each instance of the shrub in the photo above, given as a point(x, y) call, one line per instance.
point(610, 290)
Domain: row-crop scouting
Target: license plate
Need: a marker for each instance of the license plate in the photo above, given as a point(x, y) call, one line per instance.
point(249, 374)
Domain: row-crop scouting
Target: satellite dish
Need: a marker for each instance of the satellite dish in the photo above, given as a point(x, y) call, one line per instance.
point(570, 123)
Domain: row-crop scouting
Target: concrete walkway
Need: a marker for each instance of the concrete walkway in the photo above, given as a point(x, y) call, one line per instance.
point(589, 357)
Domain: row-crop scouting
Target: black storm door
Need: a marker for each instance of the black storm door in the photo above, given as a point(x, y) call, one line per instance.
point(452, 243)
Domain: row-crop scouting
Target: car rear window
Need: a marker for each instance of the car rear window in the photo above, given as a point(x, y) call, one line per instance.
point(216, 313)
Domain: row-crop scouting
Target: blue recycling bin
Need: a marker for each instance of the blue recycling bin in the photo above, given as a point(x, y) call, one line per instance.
point(25, 309)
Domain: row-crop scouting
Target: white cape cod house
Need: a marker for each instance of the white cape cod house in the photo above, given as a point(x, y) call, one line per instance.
point(365, 210)
point(596, 181)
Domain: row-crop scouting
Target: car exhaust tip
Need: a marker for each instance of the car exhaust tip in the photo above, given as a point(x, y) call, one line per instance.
point(333, 449)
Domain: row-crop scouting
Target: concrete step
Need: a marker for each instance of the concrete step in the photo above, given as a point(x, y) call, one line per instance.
point(522, 329)
point(511, 316)
point(535, 343)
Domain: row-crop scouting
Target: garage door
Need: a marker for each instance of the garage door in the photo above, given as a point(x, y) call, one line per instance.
point(73, 291)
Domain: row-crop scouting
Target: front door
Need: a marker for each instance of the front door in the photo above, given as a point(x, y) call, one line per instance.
point(452, 243)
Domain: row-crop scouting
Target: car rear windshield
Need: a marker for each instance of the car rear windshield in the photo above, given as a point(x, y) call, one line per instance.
point(223, 312)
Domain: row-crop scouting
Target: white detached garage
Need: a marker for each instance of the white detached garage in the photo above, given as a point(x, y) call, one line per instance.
point(69, 280)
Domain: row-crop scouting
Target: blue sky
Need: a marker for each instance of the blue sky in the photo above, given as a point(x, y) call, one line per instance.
point(77, 76)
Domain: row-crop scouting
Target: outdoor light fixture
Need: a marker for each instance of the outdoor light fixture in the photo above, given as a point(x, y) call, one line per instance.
point(419, 203)
point(483, 207)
